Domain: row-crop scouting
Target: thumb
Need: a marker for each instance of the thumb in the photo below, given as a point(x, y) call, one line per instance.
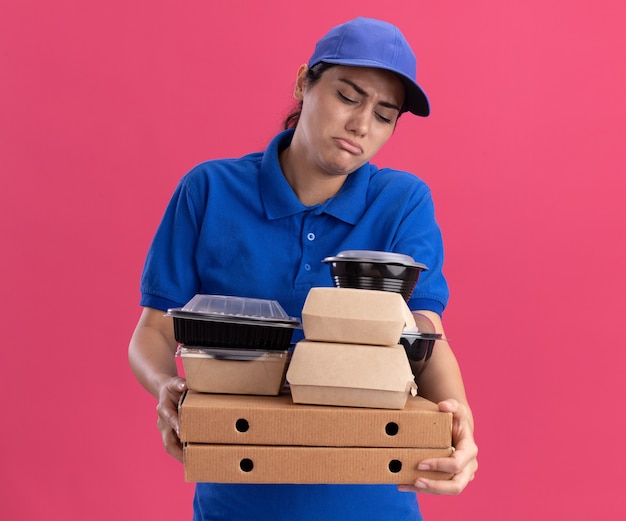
point(177, 384)
point(450, 405)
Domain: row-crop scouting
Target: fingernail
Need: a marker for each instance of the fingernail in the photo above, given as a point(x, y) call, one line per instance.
point(420, 484)
point(423, 466)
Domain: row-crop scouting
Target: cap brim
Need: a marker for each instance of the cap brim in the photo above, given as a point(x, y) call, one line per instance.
point(415, 101)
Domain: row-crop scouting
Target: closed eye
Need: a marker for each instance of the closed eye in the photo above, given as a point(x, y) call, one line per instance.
point(345, 98)
point(350, 101)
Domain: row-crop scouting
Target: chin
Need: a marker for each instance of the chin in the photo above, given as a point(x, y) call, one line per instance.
point(343, 167)
point(338, 171)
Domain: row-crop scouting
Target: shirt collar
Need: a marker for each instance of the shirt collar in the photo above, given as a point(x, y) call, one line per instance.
point(279, 199)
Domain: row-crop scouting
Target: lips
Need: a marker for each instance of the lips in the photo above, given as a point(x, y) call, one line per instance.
point(348, 146)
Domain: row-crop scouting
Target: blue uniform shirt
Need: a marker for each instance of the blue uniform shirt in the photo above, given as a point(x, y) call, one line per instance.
point(236, 227)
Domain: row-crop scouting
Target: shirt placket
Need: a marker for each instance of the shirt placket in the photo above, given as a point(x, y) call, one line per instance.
point(308, 240)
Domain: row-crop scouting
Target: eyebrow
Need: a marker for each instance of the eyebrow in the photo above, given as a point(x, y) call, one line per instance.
point(363, 93)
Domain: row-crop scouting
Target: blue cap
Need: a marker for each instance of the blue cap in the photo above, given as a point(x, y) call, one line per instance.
point(366, 42)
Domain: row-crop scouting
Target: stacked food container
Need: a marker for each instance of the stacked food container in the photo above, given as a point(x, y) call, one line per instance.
point(394, 272)
point(351, 354)
point(349, 413)
point(233, 345)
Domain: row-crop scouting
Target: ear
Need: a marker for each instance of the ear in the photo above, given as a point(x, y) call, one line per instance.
point(298, 90)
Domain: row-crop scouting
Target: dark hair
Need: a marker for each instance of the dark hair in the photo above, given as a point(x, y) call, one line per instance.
point(312, 75)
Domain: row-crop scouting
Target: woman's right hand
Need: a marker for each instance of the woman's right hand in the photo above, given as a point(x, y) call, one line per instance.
point(151, 353)
point(167, 409)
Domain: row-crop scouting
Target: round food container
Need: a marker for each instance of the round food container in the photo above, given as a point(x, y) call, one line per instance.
point(376, 270)
point(419, 345)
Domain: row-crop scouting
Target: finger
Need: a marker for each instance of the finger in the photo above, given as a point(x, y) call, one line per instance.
point(465, 455)
point(461, 414)
point(173, 445)
point(171, 441)
point(169, 415)
point(450, 405)
point(167, 407)
point(453, 486)
point(177, 385)
point(175, 388)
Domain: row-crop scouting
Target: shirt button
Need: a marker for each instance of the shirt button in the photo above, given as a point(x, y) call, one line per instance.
point(307, 267)
point(310, 236)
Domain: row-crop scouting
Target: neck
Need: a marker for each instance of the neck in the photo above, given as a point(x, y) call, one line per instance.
point(310, 186)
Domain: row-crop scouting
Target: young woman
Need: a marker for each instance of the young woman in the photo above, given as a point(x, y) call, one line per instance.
point(259, 226)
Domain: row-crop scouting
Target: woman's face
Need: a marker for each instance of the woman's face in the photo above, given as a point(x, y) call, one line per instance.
point(347, 116)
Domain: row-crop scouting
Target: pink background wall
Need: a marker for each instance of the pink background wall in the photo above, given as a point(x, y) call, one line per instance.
point(103, 106)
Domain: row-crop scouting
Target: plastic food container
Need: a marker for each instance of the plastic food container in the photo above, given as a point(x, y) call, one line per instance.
point(234, 371)
point(233, 322)
point(419, 346)
point(378, 270)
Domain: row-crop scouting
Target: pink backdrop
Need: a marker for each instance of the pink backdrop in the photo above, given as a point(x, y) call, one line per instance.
point(103, 106)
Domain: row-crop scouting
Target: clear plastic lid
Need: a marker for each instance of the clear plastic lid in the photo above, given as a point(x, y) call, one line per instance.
point(385, 257)
point(232, 354)
point(224, 307)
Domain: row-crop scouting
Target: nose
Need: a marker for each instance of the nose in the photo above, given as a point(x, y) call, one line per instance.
point(358, 123)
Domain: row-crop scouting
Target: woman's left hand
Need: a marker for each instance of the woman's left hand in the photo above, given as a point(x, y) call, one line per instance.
point(462, 464)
